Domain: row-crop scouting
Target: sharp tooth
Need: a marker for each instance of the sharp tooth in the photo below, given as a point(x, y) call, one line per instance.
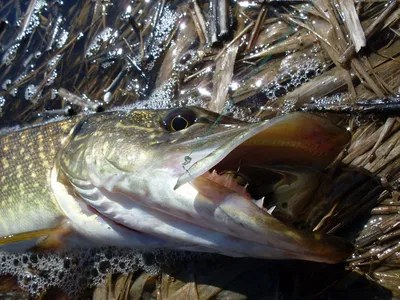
point(214, 174)
point(227, 180)
point(270, 211)
point(259, 202)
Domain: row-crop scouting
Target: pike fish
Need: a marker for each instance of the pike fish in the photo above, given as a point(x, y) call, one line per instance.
point(184, 178)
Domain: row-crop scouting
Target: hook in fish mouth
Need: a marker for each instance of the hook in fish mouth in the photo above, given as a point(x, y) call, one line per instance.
point(151, 201)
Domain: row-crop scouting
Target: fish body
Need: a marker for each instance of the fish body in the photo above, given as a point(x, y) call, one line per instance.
point(155, 179)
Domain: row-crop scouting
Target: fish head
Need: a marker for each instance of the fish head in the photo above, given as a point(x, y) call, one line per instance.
point(180, 178)
point(144, 142)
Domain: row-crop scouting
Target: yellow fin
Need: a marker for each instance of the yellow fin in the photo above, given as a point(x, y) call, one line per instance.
point(49, 238)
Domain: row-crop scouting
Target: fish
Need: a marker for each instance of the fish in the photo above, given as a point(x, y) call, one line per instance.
point(178, 179)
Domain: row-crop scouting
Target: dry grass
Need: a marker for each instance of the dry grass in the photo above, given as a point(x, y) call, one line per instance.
point(261, 61)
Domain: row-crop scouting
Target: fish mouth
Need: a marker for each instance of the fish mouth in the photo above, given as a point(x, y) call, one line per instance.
point(264, 154)
point(244, 173)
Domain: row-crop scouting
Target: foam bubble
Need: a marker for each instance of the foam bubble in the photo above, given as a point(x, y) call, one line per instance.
point(2, 102)
point(76, 270)
point(107, 36)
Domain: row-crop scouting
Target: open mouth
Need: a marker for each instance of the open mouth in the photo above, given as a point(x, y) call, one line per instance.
point(260, 193)
point(277, 164)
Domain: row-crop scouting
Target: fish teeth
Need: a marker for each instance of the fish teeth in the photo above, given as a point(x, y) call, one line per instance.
point(271, 210)
point(228, 181)
point(260, 204)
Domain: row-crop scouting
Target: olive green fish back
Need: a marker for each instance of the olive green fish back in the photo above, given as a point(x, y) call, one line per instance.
point(26, 160)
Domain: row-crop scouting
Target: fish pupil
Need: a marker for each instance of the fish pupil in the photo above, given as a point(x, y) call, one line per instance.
point(179, 123)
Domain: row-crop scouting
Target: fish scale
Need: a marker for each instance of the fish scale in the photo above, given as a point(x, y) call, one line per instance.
point(26, 160)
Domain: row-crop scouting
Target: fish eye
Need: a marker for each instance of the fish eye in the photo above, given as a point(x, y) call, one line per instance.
point(179, 119)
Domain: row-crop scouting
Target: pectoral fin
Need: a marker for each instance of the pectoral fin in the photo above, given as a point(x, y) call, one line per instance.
point(46, 239)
